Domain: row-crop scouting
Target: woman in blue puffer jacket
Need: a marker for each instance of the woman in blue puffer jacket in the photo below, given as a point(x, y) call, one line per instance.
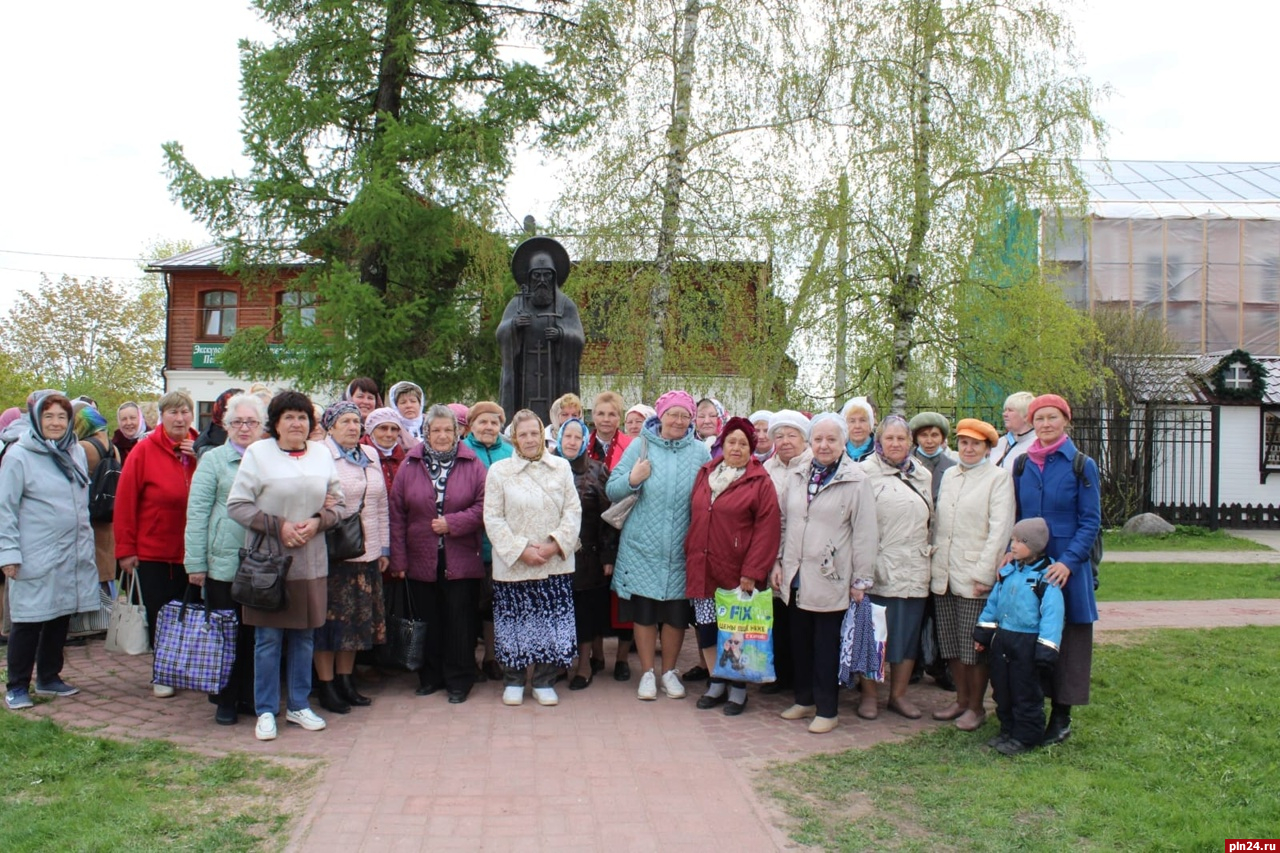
point(1049, 488)
point(649, 575)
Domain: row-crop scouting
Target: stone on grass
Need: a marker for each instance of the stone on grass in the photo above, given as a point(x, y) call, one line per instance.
point(1148, 523)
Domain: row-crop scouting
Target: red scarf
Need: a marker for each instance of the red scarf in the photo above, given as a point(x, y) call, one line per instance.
point(1038, 453)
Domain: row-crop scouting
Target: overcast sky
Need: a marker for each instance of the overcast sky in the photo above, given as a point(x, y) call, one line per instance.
point(91, 90)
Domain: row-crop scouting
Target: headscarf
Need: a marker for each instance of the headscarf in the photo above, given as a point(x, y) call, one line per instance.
point(60, 450)
point(220, 405)
point(542, 430)
point(355, 455)
point(142, 422)
point(906, 466)
point(414, 427)
point(582, 425)
point(439, 463)
point(89, 421)
point(720, 415)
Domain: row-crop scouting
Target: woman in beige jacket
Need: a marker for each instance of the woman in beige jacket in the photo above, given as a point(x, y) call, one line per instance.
point(976, 511)
point(904, 510)
point(828, 544)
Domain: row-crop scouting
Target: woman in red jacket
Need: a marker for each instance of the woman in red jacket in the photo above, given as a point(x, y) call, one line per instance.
point(151, 510)
point(735, 529)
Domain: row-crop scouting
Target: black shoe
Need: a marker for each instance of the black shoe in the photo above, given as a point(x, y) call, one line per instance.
point(226, 715)
point(580, 683)
point(733, 709)
point(427, 689)
point(706, 701)
point(942, 678)
point(347, 690)
point(330, 700)
point(622, 671)
point(997, 740)
point(1059, 728)
point(457, 697)
point(698, 673)
point(775, 687)
point(597, 665)
point(246, 707)
point(1012, 747)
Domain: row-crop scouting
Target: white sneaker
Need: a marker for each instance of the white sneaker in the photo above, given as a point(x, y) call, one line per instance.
point(266, 728)
point(306, 718)
point(513, 694)
point(671, 685)
point(162, 691)
point(648, 686)
point(546, 695)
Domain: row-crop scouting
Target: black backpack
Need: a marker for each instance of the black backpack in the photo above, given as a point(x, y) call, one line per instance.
point(1078, 467)
point(102, 485)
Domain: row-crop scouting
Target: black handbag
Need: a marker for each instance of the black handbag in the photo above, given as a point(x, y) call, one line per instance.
point(260, 580)
point(406, 644)
point(345, 540)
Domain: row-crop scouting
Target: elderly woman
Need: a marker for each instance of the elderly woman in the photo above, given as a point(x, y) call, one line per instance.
point(1019, 433)
point(408, 399)
point(828, 545)
point(637, 416)
point(288, 487)
point(606, 444)
point(860, 420)
point(562, 408)
point(764, 444)
point(904, 509)
point(789, 432)
point(437, 518)
point(354, 620)
point(929, 434)
point(382, 433)
point(213, 542)
point(91, 430)
point(130, 428)
point(593, 564)
point(485, 438)
point(363, 391)
point(1048, 487)
point(532, 514)
point(975, 511)
point(151, 509)
point(708, 420)
point(733, 539)
point(46, 548)
point(215, 433)
point(650, 573)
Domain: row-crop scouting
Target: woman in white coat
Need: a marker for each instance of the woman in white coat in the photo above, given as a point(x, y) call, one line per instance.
point(975, 517)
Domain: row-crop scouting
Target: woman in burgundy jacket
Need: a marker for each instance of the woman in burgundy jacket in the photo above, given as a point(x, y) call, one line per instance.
point(735, 529)
point(437, 517)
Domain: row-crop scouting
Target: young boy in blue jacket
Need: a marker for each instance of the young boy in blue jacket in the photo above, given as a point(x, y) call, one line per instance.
point(1022, 626)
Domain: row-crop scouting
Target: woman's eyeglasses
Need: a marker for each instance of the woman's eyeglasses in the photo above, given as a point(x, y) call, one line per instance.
point(243, 424)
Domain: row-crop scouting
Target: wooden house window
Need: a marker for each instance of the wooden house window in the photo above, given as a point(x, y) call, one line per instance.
point(218, 314)
point(294, 309)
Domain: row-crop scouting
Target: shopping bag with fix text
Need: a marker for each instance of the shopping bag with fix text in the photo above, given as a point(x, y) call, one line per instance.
point(744, 646)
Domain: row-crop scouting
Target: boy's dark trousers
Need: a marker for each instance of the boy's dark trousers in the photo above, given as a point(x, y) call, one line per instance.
point(1016, 685)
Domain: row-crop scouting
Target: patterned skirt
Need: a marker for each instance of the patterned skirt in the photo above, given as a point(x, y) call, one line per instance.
point(956, 618)
point(356, 617)
point(533, 622)
point(704, 611)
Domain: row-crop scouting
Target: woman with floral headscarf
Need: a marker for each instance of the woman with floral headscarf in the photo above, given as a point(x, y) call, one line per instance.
point(407, 399)
point(46, 548)
point(215, 433)
point(593, 564)
point(533, 516)
point(354, 620)
point(91, 430)
point(131, 428)
point(904, 510)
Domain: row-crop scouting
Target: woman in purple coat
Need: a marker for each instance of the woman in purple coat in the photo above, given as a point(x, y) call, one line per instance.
point(437, 517)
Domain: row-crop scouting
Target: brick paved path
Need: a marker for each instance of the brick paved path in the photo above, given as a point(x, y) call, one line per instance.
point(602, 771)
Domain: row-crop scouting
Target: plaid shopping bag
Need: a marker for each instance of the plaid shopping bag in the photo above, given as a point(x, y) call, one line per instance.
point(195, 647)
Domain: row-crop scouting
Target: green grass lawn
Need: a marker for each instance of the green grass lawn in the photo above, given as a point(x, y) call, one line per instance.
point(1187, 581)
point(1184, 538)
point(1178, 751)
point(65, 791)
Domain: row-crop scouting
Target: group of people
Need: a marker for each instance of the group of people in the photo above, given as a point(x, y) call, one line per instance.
point(498, 533)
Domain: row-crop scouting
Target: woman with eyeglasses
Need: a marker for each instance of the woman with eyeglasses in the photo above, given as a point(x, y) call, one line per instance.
point(649, 575)
point(213, 542)
point(828, 559)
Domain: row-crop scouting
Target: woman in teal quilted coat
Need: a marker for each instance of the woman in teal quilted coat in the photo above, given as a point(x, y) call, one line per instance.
point(649, 575)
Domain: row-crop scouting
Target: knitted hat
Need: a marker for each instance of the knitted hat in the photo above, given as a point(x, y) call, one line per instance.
point(762, 415)
point(486, 407)
point(384, 415)
point(647, 411)
point(789, 418)
point(1048, 401)
point(929, 419)
point(460, 412)
point(680, 398)
point(1034, 533)
point(745, 426)
point(981, 430)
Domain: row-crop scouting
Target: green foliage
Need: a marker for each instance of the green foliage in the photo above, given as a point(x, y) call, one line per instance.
point(73, 792)
point(380, 134)
point(1188, 581)
point(94, 337)
point(1185, 537)
point(1175, 752)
